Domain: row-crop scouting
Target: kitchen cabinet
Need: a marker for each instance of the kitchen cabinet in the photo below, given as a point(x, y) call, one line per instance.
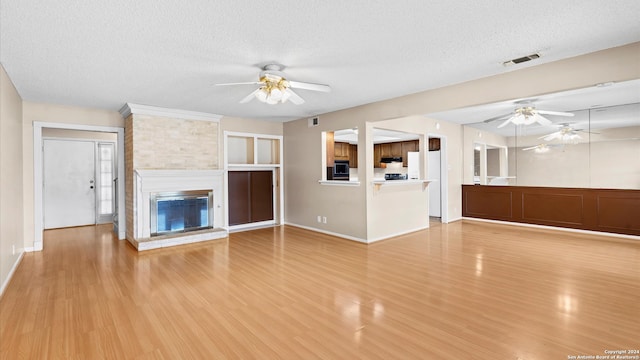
point(330, 148)
point(385, 150)
point(377, 155)
point(395, 149)
point(434, 144)
point(353, 156)
point(341, 151)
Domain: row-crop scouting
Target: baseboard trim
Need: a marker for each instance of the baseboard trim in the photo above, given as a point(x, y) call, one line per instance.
point(353, 238)
point(347, 237)
point(388, 237)
point(11, 272)
point(546, 227)
point(252, 226)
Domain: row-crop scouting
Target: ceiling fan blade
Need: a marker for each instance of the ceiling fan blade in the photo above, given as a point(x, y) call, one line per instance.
point(505, 123)
point(240, 83)
point(558, 113)
point(309, 86)
point(531, 148)
point(541, 119)
point(249, 97)
point(551, 136)
point(497, 118)
point(293, 97)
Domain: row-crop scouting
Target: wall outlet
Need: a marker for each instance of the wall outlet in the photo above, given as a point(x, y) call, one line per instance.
point(324, 219)
point(319, 218)
point(13, 249)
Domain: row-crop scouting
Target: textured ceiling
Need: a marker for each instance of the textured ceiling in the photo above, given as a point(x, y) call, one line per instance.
point(169, 53)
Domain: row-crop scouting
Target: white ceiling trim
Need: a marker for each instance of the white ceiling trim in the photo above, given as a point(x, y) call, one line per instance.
point(138, 109)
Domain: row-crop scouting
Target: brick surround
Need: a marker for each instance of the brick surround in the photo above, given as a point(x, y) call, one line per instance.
point(155, 142)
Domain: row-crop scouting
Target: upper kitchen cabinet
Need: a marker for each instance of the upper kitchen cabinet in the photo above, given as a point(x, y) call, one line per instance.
point(434, 144)
point(341, 150)
point(394, 149)
point(252, 149)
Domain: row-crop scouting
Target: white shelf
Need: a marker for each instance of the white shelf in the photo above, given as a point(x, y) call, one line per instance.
point(377, 184)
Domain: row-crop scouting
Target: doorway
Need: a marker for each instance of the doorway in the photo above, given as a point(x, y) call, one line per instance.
point(437, 170)
point(39, 132)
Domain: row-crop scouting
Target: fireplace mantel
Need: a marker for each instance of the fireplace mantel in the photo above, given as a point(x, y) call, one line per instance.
point(151, 181)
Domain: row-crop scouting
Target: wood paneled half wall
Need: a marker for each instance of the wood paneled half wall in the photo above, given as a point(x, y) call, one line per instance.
point(606, 210)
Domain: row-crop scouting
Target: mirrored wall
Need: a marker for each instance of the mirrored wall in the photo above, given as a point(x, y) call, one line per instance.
point(585, 138)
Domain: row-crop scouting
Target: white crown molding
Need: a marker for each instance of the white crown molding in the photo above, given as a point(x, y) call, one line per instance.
point(137, 109)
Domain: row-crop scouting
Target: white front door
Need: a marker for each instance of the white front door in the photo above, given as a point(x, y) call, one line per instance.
point(69, 183)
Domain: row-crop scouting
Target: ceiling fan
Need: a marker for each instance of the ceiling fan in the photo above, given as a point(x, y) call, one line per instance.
point(527, 115)
point(275, 88)
point(566, 133)
point(541, 148)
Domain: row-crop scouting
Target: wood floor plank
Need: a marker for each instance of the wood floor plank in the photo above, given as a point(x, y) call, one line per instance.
point(467, 290)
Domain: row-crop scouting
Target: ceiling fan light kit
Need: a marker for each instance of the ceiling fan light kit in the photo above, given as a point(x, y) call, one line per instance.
point(528, 115)
point(276, 89)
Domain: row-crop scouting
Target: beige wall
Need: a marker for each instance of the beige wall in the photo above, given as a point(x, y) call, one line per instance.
point(53, 114)
point(11, 182)
point(305, 198)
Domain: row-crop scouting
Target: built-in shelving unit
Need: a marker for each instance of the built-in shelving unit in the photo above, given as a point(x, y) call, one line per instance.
point(248, 150)
point(253, 155)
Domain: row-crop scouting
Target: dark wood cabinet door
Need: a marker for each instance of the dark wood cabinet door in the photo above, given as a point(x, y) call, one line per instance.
point(261, 196)
point(353, 156)
point(434, 144)
point(250, 196)
point(239, 201)
point(385, 150)
point(396, 149)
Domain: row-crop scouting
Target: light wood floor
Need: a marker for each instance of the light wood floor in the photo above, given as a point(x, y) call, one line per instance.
point(466, 290)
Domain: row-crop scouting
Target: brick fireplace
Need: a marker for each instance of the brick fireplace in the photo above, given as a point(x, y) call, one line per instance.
point(169, 152)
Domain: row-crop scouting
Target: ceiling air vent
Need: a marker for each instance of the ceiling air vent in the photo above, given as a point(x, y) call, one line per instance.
point(521, 59)
point(314, 121)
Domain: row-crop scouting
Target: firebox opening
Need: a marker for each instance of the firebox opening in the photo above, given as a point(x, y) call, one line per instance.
point(177, 212)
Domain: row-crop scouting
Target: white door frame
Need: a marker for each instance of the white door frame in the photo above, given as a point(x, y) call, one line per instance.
point(444, 177)
point(38, 223)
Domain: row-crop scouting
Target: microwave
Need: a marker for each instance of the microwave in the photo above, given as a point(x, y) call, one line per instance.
point(340, 170)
